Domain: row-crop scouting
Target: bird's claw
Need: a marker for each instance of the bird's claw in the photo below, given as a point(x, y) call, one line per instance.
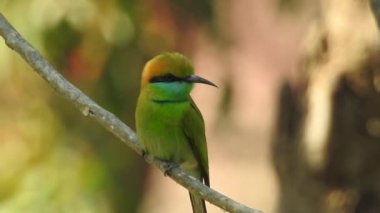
point(144, 153)
point(169, 168)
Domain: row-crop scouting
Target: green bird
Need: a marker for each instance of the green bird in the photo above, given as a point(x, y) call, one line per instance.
point(169, 124)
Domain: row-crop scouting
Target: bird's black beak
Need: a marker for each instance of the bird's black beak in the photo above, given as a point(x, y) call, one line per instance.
point(197, 79)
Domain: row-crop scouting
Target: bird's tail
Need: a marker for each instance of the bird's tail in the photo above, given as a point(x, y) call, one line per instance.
point(198, 204)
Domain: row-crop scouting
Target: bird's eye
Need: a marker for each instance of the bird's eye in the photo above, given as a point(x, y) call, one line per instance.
point(165, 78)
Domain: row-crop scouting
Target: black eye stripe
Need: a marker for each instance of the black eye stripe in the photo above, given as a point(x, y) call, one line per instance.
point(165, 78)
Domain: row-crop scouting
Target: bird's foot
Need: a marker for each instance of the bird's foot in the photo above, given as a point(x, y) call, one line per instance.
point(144, 154)
point(169, 168)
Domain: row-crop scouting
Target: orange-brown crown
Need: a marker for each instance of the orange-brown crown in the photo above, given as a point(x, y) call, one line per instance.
point(167, 63)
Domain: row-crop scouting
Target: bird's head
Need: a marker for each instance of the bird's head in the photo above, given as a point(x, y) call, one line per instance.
point(170, 76)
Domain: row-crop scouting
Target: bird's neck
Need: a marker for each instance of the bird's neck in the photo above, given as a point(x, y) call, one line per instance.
point(169, 93)
point(169, 101)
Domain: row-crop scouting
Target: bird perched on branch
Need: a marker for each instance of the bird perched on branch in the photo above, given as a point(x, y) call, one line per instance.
point(169, 124)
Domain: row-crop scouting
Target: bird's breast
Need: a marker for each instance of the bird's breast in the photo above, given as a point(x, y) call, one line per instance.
point(159, 128)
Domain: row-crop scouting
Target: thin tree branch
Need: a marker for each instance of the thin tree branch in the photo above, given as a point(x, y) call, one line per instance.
point(108, 120)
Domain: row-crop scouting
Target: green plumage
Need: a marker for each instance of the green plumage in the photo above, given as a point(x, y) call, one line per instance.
point(169, 124)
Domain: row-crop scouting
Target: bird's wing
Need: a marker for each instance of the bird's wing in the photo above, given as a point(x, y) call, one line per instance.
point(194, 129)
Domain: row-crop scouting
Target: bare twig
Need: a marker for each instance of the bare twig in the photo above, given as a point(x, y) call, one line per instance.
point(90, 109)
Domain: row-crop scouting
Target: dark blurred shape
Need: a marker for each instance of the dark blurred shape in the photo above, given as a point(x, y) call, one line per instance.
point(375, 6)
point(59, 41)
point(129, 6)
point(199, 10)
point(289, 5)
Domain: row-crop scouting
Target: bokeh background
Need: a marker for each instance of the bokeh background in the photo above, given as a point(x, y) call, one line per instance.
point(52, 159)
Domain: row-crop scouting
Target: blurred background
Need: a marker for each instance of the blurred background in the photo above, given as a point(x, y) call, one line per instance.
point(52, 159)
